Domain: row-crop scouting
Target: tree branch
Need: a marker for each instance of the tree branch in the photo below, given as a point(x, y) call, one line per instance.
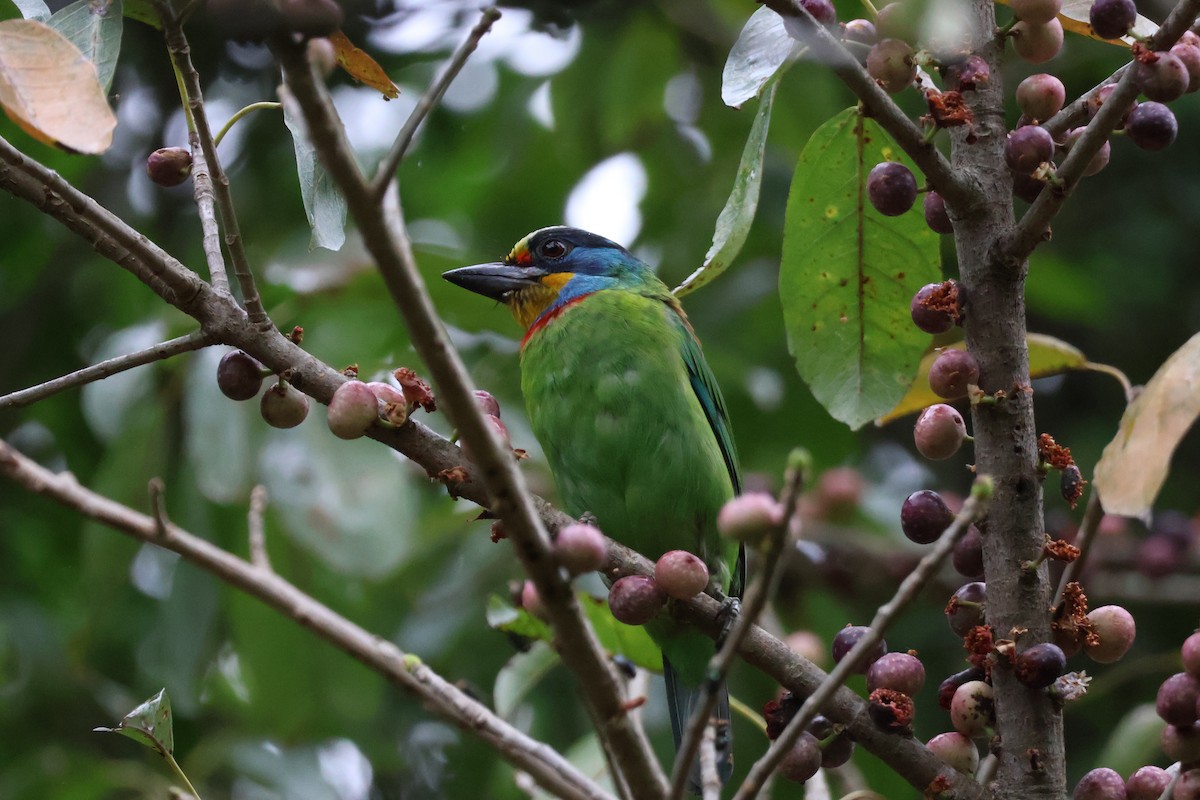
point(164, 350)
point(387, 168)
point(509, 498)
point(210, 241)
point(539, 760)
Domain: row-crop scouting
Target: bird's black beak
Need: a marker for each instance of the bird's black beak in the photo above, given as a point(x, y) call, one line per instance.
point(494, 280)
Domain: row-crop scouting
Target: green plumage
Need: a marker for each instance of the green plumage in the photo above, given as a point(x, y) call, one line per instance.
point(627, 411)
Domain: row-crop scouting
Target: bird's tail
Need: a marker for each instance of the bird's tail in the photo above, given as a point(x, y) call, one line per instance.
point(682, 699)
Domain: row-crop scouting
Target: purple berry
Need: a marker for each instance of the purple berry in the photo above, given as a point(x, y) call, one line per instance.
point(1041, 665)
point(924, 515)
point(891, 188)
point(499, 432)
point(968, 75)
point(1041, 96)
point(1151, 126)
point(1147, 783)
point(821, 10)
point(1189, 55)
point(939, 432)
point(1100, 784)
point(1099, 161)
point(169, 166)
point(956, 750)
point(1115, 629)
point(952, 372)
point(1027, 148)
point(487, 404)
point(849, 636)
point(1188, 786)
point(928, 318)
point(836, 751)
point(966, 608)
point(352, 410)
point(749, 517)
point(1165, 79)
point(1190, 651)
point(1112, 19)
point(1181, 744)
point(861, 31)
point(935, 213)
point(1038, 12)
point(803, 760)
point(239, 375)
point(1100, 97)
point(635, 599)
point(1027, 187)
point(968, 554)
point(900, 672)
point(1037, 43)
point(949, 686)
point(680, 574)
point(283, 407)
point(1176, 701)
point(890, 62)
point(972, 710)
point(580, 548)
point(1157, 556)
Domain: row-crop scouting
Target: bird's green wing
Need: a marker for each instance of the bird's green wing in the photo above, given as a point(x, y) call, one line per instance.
point(709, 394)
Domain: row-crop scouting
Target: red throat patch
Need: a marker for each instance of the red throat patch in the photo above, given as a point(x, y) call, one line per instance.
point(551, 315)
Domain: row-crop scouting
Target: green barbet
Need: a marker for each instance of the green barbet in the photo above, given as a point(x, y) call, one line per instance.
point(630, 418)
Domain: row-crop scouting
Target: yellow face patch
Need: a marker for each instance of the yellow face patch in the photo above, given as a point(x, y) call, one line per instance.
point(528, 304)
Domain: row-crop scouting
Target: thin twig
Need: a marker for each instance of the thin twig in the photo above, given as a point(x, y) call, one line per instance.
point(884, 616)
point(1088, 526)
point(256, 527)
point(548, 768)
point(710, 781)
point(158, 507)
point(953, 185)
point(388, 244)
point(210, 240)
point(759, 592)
point(241, 112)
point(1033, 226)
point(433, 95)
point(181, 59)
point(159, 352)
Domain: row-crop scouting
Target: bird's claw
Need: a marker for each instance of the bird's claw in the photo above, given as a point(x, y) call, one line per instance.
point(727, 616)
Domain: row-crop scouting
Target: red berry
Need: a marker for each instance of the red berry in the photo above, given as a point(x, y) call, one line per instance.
point(968, 75)
point(1189, 54)
point(928, 319)
point(939, 432)
point(580, 548)
point(1188, 786)
point(239, 375)
point(891, 188)
point(680, 574)
point(935, 213)
point(1181, 744)
point(1100, 97)
point(966, 608)
point(821, 10)
point(1190, 651)
point(635, 599)
point(1112, 19)
point(283, 407)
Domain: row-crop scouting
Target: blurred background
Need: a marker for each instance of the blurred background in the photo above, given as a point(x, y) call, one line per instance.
point(602, 114)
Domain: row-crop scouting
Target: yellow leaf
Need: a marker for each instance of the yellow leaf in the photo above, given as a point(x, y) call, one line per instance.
point(361, 66)
point(50, 90)
point(1074, 18)
point(1134, 464)
point(1047, 356)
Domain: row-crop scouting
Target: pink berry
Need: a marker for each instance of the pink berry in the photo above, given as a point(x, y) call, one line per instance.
point(1189, 54)
point(283, 407)
point(1147, 783)
point(1176, 700)
point(928, 319)
point(393, 405)
point(1100, 784)
point(966, 608)
point(1026, 149)
point(352, 410)
point(1038, 12)
point(972, 710)
point(580, 548)
point(956, 750)
point(635, 599)
point(1038, 43)
point(845, 640)
point(749, 517)
point(1190, 651)
point(1165, 79)
point(939, 432)
point(531, 601)
point(900, 672)
point(1116, 631)
point(1099, 161)
point(169, 166)
point(952, 372)
point(1041, 96)
point(680, 574)
point(1181, 744)
point(890, 62)
point(487, 404)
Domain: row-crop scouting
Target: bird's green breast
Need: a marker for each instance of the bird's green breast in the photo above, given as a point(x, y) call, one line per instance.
point(626, 438)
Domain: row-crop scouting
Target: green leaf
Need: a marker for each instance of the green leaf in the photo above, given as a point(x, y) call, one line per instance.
point(761, 49)
point(617, 638)
point(1134, 465)
point(520, 675)
point(33, 9)
point(735, 219)
point(149, 723)
point(95, 28)
point(848, 274)
point(1047, 356)
point(323, 203)
point(504, 616)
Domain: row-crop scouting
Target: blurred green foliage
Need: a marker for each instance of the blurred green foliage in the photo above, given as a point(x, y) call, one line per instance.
point(92, 623)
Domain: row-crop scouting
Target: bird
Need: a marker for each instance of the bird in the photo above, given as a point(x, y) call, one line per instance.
point(631, 420)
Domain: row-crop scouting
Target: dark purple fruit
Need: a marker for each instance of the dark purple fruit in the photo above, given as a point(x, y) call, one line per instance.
point(1151, 126)
point(924, 516)
point(1041, 665)
point(949, 686)
point(580, 548)
point(968, 75)
point(169, 166)
point(680, 574)
point(1147, 783)
point(1115, 630)
point(952, 372)
point(822, 11)
point(849, 636)
point(1181, 744)
point(803, 760)
point(1037, 43)
point(283, 407)
point(1176, 701)
point(1112, 19)
point(890, 62)
point(1100, 784)
point(1038, 12)
point(352, 410)
point(935, 214)
point(900, 672)
point(956, 750)
point(1190, 652)
point(891, 188)
point(939, 432)
point(1041, 96)
point(1027, 187)
point(1165, 79)
point(635, 599)
point(930, 320)
point(239, 375)
point(836, 751)
point(966, 608)
point(1027, 148)
point(861, 31)
point(968, 554)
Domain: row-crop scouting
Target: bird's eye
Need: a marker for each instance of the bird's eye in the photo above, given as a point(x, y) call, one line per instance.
point(552, 248)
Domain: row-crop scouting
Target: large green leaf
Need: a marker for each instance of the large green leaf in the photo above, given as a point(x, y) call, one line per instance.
point(848, 274)
point(735, 219)
point(95, 28)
